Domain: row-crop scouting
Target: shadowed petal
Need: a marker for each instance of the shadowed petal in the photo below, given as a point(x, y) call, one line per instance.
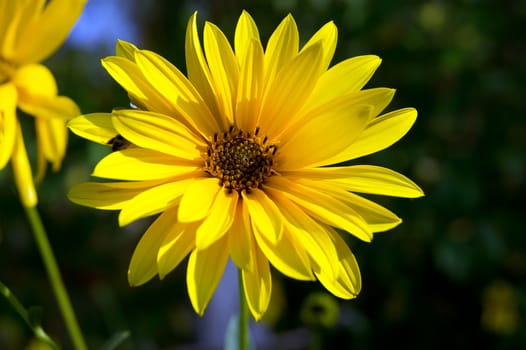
point(152, 201)
point(22, 171)
point(377, 217)
point(257, 284)
point(323, 207)
point(218, 221)
point(143, 264)
point(306, 232)
point(205, 268)
point(349, 282)
point(265, 215)
point(240, 238)
point(8, 122)
point(288, 256)
point(52, 138)
point(177, 244)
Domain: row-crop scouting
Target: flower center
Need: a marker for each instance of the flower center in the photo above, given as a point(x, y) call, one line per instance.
point(240, 160)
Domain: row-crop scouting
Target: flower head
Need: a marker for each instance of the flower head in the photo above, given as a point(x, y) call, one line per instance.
point(30, 31)
point(235, 156)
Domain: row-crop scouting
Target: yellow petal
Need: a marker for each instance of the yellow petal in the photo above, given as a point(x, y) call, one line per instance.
point(288, 91)
point(377, 99)
point(349, 282)
point(8, 15)
point(152, 201)
point(343, 78)
point(107, 195)
point(306, 232)
point(43, 35)
point(379, 134)
point(125, 49)
point(377, 217)
point(128, 75)
point(246, 32)
point(35, 80)
point(323, 207)
point(328, 37)
point(143, 264)
point(137, 164)
point(282, 46)
point(179, 91)
point(265, 215)
point(8, 122)
point(224, 70)
point(365, 179)
point(205, 268)
point(257, 285)
point(22, 172)
point(196, 66)
point(95, 127)
point(250, 87)
point(177, 244)
point(288, 256)
point(240, 238)
point(324, 136)
point(56, 107)
point(52, 139)
point(218, 221)
point(197, 199)
point(157, 132)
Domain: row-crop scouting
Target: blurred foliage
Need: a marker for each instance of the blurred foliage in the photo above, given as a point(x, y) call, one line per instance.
point(453, 275)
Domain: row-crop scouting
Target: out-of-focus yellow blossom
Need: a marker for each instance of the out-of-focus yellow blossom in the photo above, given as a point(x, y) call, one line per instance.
point(30, 31)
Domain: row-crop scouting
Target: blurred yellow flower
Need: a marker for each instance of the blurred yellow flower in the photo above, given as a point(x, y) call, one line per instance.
point(30, 31)
point(235, 158)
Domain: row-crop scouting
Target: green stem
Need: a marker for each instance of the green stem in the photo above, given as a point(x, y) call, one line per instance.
point(21, 310)
point(55, 278)
point(243, 315)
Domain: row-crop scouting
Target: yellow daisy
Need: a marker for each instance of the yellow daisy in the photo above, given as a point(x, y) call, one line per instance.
point(30, 31)
point(235, 157)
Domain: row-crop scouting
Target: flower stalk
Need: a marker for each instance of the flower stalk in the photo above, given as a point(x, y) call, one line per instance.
point(243, 314)
point(55, 278)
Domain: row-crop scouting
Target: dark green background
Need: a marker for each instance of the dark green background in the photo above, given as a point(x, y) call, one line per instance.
point(457, 259)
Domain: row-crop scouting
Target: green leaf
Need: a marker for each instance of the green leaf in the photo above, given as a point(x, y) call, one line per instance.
point(32, 316)
point(116, 340)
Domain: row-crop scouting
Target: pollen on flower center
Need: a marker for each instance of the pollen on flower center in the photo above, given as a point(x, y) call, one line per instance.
point(240, 160)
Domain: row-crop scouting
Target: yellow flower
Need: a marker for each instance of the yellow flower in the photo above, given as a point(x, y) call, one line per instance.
point(30, 31)
point(235, 158)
